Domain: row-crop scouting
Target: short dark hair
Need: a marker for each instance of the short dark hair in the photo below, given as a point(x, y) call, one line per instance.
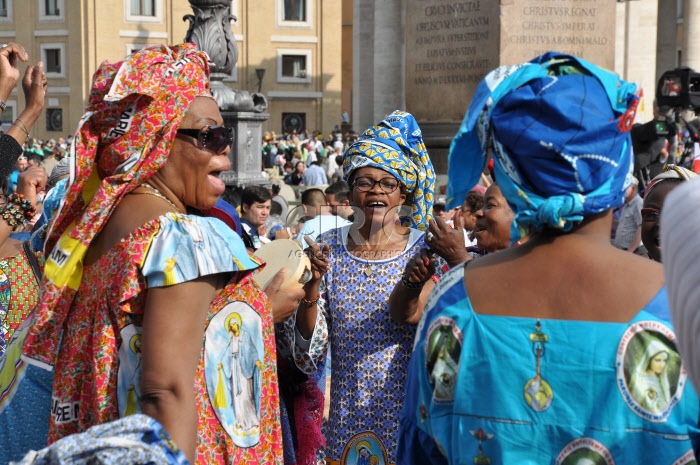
point(339, 160)
point(438, 207)
point(252, 194)
point(275, 208)
point(34, 158)
point(275, 188)
point(340, 189)
point(313, 197)
point(475, 201)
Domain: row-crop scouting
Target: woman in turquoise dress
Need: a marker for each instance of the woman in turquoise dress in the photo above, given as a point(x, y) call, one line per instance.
point(533, 354)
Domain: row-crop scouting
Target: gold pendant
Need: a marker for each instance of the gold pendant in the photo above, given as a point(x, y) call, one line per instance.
point(368, 272)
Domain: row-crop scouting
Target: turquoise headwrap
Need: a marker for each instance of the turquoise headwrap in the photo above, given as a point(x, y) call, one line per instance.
point(559, 130)
point(396, 145)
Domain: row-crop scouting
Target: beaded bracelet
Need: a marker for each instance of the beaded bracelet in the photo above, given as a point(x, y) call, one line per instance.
point(307, 303)
point(12, 215)
point(409, 285)
point(24, 204)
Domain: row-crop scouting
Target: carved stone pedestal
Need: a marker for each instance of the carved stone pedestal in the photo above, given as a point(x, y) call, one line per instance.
point(246, 155)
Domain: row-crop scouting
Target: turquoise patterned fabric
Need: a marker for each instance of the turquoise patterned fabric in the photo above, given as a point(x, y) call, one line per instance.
point(395, 145)
point(505, 390)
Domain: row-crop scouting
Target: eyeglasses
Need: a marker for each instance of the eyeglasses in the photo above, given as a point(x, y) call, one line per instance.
point(650, 214)
point(387, 184)
point(212, 138)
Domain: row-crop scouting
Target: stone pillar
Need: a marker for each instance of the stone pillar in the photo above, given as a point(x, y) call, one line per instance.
point(640, 23)
point(363, 64)
point(245, 155)
point(378, 60)
point(389, 63)
point(691, 38)
point(666, 46)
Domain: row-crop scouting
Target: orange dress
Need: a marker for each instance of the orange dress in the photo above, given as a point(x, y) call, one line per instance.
point(97, 374)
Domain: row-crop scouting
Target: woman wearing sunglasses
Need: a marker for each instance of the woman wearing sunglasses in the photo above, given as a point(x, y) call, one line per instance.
point(654, 197)
point(147, 306)
point(391, 180)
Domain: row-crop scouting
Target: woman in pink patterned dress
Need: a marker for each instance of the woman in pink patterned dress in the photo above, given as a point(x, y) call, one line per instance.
point(140, 290)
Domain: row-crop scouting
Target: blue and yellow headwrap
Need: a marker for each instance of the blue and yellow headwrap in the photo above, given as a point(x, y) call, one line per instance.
point(558, 128)
point(396, 145)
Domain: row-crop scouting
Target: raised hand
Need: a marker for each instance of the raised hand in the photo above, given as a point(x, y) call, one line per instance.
point(446, 241)
point(32, 181)
point(10, 54)
point(318, 256)
point(34, 85)
point(420, 268)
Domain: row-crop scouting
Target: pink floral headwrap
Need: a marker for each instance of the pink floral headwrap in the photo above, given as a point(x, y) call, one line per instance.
point(134, 110)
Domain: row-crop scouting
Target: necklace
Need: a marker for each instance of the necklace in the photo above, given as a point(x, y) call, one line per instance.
point(156, 193)
point(369, 269)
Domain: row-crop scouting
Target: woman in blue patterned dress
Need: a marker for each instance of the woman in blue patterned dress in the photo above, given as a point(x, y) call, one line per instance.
point(391, 176)
point(535, 354)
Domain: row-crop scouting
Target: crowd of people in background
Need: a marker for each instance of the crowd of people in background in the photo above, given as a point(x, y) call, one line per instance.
point(306, 159)
point(514, 312)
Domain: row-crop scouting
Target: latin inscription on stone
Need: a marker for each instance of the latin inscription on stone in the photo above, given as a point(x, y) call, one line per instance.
point(584, 28)
point(451, 45)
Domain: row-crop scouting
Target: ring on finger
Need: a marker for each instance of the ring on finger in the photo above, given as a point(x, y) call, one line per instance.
point(429, 237)
point(3, 45)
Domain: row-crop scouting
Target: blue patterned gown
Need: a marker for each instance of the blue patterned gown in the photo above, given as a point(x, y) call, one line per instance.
point(370, 352)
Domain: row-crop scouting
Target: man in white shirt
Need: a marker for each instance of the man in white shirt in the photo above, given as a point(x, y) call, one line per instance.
point(319, 216)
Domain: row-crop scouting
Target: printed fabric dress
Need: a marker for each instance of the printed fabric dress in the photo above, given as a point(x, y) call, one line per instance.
point(19, 292)
point(97, 375)
point(370, 352)
point(504, 390)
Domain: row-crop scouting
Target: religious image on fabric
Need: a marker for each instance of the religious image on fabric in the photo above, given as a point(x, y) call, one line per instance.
point(364, 449)
point(233, 362)
point(650, 375)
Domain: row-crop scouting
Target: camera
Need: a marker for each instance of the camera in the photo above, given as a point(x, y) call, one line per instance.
point(679, 88)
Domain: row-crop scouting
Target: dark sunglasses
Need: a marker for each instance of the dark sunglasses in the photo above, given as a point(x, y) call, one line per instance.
point(650, 214)
point(212, 138)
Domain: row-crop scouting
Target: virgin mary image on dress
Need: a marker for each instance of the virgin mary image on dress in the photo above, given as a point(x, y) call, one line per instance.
point(443, 355)
point(650, 384)
point(233, 363)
